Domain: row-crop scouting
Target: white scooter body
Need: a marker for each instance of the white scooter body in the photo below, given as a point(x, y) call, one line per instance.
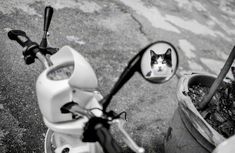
point(80, 87)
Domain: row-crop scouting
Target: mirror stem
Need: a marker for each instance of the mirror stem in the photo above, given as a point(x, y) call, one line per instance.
point(129, 71)
point(43, 44)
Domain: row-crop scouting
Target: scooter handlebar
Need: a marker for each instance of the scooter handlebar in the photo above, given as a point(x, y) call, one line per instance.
point(97, 129)
point(106, 140)
point(31, 48)
point(20, 37)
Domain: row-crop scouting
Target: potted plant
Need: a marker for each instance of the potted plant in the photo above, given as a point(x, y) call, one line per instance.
point(205, 116)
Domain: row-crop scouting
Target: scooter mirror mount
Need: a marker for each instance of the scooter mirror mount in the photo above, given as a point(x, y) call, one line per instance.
point(157, 63)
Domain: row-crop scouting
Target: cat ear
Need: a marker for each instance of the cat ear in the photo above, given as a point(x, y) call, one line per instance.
point(152, 53)
point(168, 52)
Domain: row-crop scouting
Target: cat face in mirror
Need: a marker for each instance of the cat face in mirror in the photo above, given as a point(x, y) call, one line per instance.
point(160, 61)
point(161, 64)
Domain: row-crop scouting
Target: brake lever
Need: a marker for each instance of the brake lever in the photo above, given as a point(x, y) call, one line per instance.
point(127, 139)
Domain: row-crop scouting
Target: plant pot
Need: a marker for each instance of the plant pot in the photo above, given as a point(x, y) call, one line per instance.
point(188, 131)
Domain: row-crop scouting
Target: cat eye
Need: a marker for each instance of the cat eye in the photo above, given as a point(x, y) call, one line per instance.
point(153, 70)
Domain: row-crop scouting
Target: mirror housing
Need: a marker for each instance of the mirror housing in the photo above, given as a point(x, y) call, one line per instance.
point(159, 62)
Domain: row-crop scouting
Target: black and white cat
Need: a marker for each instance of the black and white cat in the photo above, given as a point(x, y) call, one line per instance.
point(161, 64)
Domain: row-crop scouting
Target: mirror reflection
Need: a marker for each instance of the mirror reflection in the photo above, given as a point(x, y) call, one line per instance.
point(159, 62)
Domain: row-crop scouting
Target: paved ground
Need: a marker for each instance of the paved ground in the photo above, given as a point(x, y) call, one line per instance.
point(108, 34)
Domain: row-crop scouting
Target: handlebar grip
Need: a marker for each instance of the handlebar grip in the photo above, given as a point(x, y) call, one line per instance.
point(31, 47)
point(19, 36)
point(106, 140)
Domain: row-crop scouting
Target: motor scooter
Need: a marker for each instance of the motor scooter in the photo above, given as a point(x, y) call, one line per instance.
point(72, 108)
